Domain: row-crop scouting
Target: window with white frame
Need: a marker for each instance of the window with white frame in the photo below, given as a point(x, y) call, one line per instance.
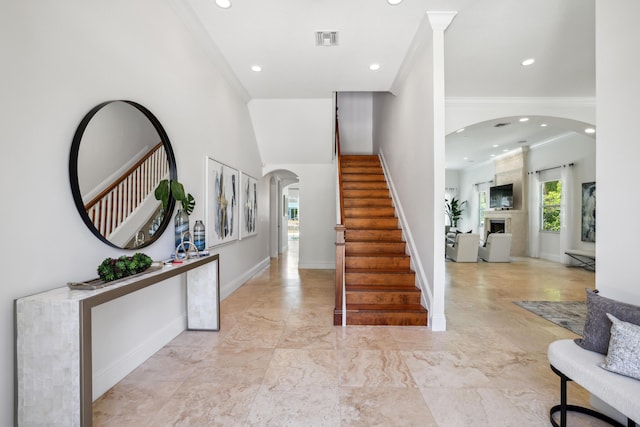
point(550, 205)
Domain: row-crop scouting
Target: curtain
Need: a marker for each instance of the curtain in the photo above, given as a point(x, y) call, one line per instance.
point(567, 225)
point(534, 215)
point(449, 193)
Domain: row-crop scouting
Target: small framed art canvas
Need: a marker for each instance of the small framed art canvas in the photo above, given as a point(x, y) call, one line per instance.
point(222, 200)
point(249, 205)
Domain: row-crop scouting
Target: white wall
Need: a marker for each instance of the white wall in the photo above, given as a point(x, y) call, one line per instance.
point(293, 130)
point(317, 183)
point(297, 135)
point(617, 172)
point(355, 115)
point(62, 59)
point(581, 151)
point(404, 134)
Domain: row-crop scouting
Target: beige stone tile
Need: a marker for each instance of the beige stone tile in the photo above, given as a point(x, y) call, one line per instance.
point(383, 406)
point(373, 368)
point(252, 335)
point(444, 369)
point(233, 366)
point(130, 402)
point(309, 337)
point(299, 368)
point(365, 337)
point(205, 404)
point(300, 406)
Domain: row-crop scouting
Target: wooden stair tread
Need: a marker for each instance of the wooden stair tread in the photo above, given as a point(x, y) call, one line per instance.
point(387, 307)
point(378, 271)
point(382, 288)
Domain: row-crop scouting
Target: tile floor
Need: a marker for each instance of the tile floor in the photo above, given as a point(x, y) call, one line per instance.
point(279, 361)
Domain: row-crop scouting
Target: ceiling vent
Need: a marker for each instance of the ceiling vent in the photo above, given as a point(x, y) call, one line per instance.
point(499, 125)
point(326, 38)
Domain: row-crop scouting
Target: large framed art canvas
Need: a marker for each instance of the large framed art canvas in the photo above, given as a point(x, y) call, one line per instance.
point(588, 230)
point(249, 205)
point(222, 200)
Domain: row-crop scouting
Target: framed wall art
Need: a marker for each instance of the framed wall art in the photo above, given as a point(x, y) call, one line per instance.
point(249, 205)
point(222, 202)
point(588, 230)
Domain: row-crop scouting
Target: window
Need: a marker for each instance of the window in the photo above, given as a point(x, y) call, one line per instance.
point(482, 206)
point(551, 193)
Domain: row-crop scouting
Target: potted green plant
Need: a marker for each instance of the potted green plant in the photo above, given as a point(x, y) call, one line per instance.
point(167, 188)
point(164, 190)
point(453, 209)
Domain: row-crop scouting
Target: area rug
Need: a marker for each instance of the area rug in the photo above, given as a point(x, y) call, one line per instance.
point(568, 314)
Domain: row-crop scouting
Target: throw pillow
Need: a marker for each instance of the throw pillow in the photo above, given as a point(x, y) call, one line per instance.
point(597, 327)
point(624, 349)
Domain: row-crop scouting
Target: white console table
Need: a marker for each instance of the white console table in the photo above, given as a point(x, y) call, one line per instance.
point(53, 358)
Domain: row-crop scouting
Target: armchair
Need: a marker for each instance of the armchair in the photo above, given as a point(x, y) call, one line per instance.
point(464, 248)
point(497, 248)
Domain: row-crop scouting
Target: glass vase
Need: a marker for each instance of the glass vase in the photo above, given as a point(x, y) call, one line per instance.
point(199, 235)
point(181, 223)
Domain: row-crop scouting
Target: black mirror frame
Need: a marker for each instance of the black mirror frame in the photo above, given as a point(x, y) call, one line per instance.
point(73, 170)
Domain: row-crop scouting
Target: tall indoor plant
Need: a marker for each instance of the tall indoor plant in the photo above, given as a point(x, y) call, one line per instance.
point(454, 209)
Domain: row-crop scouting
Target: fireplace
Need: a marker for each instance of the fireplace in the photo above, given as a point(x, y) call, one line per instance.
point(496, 226)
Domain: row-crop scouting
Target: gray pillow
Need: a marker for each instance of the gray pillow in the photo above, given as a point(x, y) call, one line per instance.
point(624, 349)
point(597, 328)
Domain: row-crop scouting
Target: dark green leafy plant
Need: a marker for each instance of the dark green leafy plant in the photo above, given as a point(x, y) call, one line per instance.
point(114, 269)
point(453, 209)
point(167, 188)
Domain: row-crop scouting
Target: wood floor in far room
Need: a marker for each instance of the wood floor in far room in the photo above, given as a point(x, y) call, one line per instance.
point(278, 360)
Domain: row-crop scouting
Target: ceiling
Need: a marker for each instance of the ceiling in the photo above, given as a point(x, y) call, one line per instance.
point(484, 47)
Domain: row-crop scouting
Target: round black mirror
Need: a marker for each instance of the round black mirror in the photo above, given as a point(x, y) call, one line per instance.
point(119, 153)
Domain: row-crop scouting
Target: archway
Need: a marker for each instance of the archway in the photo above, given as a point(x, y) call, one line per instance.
point(278, 211)
point(523, 151)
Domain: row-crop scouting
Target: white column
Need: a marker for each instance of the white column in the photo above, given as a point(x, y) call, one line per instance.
point(439, 22)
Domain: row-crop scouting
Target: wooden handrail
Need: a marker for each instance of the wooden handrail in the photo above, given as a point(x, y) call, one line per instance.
point(339, 170)
point(339, 313)
point(123, 177)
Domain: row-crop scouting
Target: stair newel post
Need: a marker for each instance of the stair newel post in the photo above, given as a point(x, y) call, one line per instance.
point(339, 314)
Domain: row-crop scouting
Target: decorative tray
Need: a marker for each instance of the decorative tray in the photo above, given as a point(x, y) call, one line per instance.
point(97, 283)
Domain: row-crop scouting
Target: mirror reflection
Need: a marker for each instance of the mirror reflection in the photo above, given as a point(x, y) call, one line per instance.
point(119, 154)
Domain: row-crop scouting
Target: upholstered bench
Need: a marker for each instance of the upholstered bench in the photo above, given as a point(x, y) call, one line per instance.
point(573, 363)
point(605, 361)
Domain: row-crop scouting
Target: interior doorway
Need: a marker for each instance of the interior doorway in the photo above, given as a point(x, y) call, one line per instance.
point(284, 204)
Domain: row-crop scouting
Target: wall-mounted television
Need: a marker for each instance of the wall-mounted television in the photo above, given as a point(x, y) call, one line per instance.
point(501, 196)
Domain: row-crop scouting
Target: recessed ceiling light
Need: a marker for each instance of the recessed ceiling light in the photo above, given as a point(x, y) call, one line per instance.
point(589, 130)
point(493, 155)
point(495, 145)
point(528, 62)
point(460, 130)
point(225, 4)
point(374, 67)
point(544, 125)
point(394, 2)
point(524, 119)
point(465, 158)
point(505, 150)
point(256, 68)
